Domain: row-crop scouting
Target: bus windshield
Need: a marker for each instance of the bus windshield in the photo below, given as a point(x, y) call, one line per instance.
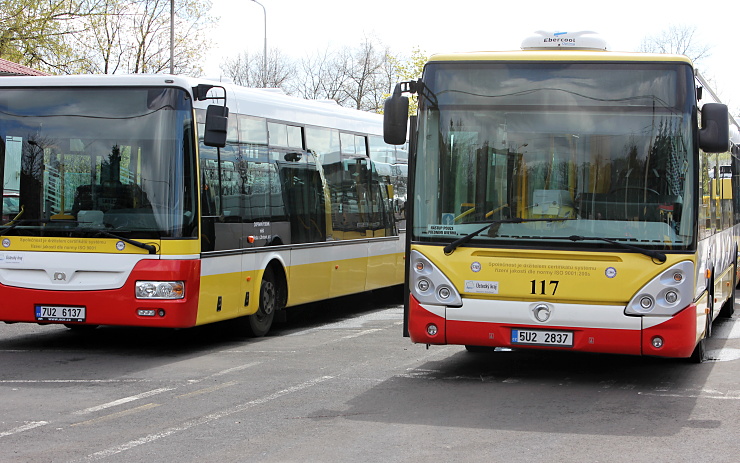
point(557, 152)
point(83, 160)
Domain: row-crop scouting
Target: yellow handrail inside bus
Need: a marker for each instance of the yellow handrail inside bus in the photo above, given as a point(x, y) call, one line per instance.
point(472, 209)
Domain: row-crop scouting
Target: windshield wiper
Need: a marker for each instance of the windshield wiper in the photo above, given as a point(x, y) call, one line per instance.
point(450, 248)
point(149, 247)
point(14, 224)
point(656, 255)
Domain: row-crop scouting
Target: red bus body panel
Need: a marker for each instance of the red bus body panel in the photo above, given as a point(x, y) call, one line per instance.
point(117, 306)
point(678, 334)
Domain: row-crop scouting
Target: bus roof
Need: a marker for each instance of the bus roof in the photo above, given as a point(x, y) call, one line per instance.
point(559, 55)
point(267, 103)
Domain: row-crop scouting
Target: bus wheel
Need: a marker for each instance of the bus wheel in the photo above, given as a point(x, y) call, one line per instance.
point(261, 321)
point(728, 308)
point(700, 354)
point(700, 351)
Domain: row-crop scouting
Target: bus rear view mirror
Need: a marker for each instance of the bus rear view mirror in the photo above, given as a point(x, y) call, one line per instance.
point(714, 135)
point(217, 122)
point(395, 120)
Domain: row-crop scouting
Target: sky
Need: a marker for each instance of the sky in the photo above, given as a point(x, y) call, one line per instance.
point(299, 28)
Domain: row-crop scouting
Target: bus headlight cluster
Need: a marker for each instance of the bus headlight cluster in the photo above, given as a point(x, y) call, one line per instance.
point(160, 289)
point(429, 285)
point(666, 294)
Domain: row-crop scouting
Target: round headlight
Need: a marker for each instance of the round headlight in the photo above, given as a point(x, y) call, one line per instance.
point(646, 303)
point(423, 285)
point(671, 297)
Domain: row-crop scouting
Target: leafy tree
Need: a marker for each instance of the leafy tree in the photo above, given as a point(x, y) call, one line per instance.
point(410, 69)
point(33, 32)
point(134, 36)
point(104, 36)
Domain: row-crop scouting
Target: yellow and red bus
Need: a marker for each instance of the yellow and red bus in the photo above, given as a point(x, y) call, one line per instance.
point(565, 198)
point(166, 201)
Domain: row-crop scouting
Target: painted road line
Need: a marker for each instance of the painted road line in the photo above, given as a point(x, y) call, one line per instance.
point(122, 401)
point(25, 427)
point(117, 415)
point(203, 420)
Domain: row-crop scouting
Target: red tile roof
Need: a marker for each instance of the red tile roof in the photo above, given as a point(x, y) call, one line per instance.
point(9, 68)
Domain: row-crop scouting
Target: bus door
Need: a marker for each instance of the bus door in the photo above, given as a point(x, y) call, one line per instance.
point(303, 195)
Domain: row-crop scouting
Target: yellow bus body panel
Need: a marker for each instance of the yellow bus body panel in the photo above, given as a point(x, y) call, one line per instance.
point(599, 278)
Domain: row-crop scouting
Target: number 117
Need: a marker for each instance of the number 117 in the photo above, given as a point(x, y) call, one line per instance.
point(542, 286)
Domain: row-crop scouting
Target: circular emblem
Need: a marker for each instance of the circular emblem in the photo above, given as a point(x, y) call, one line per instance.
point(120, 245)
point(541, 312)
point(6, 243)
point(475, 266)
point(610, 272)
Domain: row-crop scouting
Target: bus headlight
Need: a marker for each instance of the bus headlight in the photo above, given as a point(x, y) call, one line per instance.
point(160, 289)
point(666, 294)
point(429, 285)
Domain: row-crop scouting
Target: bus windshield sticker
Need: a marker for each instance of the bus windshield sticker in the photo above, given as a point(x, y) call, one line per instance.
point(438, 229)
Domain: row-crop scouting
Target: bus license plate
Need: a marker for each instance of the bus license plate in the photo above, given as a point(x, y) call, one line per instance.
point(56, 313)
point(542, 338)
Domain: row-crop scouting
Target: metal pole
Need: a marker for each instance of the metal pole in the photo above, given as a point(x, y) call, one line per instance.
point(264, 53)
point(172, 36)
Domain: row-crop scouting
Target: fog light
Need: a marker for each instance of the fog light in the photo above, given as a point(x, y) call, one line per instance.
point(646, 303)
point(657, 342)
point(671, 297)
point(161, 312)
point(444, 293)
point(431, 329)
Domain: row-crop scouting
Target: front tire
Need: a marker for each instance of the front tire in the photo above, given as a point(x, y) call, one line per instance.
point(259, 323)
point(728, 308)
point(700, 353)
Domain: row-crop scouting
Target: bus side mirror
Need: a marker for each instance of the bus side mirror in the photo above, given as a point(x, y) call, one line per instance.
point(217, 122)
point(714, 135)
point(395, 119)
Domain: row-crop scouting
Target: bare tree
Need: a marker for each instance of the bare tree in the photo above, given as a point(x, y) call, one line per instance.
point(321, 76)
point(249, 70)
point(678, 39)
point(356, 77)
point(366, 77)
